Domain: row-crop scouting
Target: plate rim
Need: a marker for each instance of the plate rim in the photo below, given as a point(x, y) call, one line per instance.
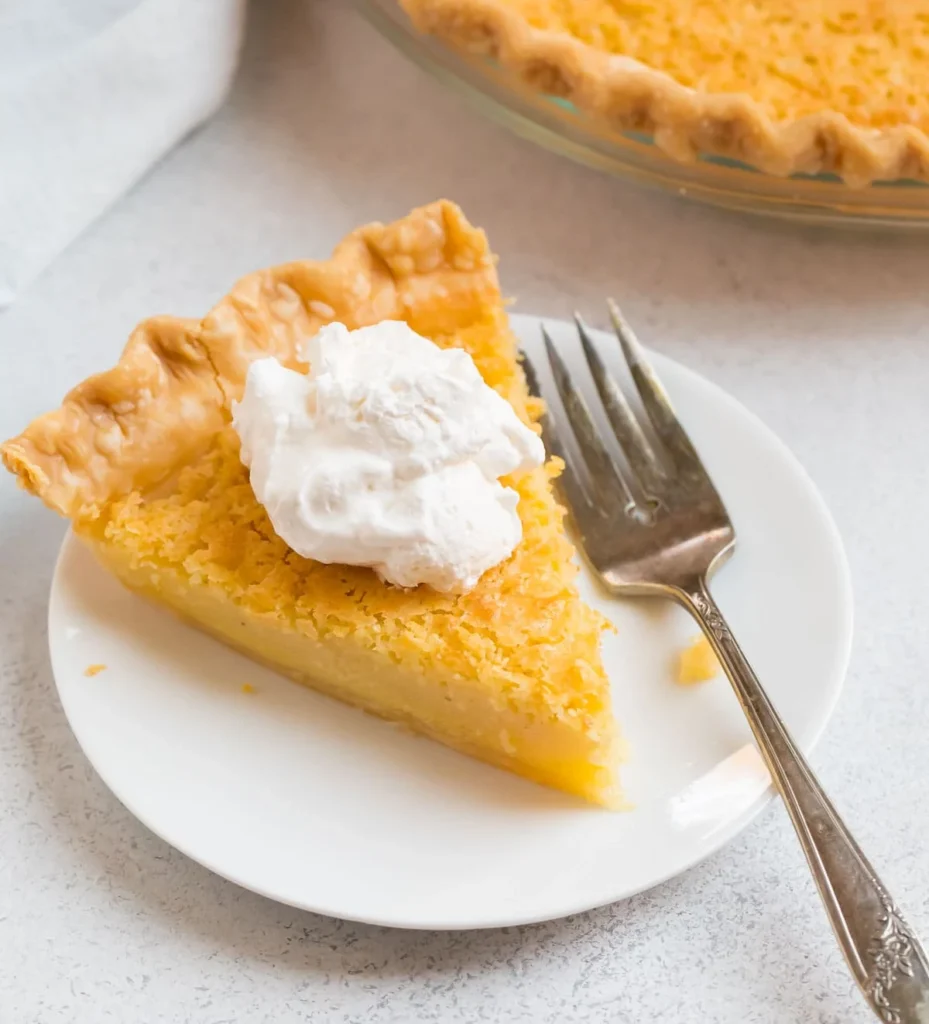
point(721, 837)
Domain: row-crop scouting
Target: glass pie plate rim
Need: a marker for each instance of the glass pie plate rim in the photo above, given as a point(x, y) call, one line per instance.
point(558, 126)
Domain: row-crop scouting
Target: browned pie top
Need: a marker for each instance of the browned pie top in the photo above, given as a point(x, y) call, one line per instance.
point(788, 85)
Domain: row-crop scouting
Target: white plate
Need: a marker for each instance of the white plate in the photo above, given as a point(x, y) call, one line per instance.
point(319, 806)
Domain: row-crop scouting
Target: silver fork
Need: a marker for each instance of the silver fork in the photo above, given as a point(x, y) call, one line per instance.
point(657, 526)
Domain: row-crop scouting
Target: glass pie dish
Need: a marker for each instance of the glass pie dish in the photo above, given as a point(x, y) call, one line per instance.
point(559, 126)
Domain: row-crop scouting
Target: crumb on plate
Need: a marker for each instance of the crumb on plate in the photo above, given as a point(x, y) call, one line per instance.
point(94, 670)
point(697, 663)
point(248, 688)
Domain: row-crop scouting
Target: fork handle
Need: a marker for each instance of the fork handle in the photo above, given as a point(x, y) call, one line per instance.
point(886, 958)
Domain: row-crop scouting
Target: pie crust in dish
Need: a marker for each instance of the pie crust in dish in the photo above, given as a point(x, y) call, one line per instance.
point(144, 461)
point(838, 87)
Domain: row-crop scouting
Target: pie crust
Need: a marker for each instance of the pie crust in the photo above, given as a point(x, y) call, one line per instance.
point(627, 95)
point(131, 426)
point(143, 460)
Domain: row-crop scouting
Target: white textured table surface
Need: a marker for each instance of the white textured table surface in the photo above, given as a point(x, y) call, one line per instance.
point(825, 337)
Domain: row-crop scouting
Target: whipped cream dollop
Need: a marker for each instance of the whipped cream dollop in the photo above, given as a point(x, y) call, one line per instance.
point(387, 454)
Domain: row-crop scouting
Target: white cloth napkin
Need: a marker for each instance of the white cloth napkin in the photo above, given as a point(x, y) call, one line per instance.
point(92, 93)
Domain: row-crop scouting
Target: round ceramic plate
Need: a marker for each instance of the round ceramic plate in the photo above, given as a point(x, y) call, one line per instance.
point(322, 807)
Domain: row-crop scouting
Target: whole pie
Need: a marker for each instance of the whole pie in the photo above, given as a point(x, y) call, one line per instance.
point(835, 86)
point(144, 461)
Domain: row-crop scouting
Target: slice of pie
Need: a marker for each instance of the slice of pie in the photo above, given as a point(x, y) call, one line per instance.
point(145, 463)
point(837, 86)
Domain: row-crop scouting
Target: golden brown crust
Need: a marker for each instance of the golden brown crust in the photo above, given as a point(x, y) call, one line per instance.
point(131, 426)
point(685, 123)
point(130, 423)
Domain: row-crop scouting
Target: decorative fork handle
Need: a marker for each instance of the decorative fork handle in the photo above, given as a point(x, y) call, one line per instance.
point(882, 951)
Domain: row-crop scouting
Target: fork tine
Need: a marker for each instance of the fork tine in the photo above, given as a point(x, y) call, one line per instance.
point(643, 461)
point(655, 398)
point(600, 466)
